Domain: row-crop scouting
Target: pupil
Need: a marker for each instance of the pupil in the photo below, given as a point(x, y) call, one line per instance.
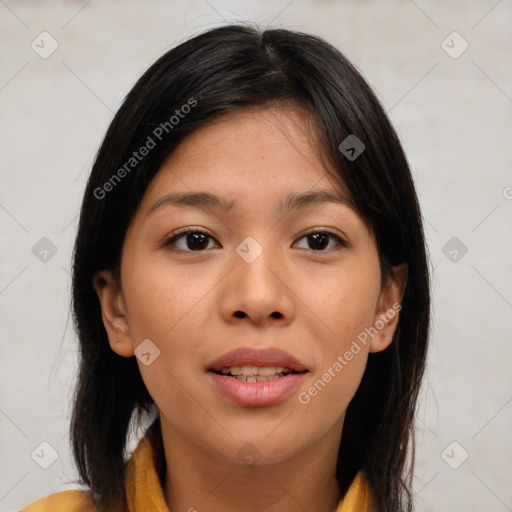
point(196, 239)
point(321, 239)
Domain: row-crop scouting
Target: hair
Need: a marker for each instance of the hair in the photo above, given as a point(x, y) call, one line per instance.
point(219, 71)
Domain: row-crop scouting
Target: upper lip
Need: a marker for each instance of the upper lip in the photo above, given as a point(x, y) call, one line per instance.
point(247, 356)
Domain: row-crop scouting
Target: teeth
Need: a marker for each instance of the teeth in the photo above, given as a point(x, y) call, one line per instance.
point(248, 373)
point(249, 370)
point(266, 371)
point(257, 378)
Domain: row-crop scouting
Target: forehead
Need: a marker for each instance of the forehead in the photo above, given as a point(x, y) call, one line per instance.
point(251, 155)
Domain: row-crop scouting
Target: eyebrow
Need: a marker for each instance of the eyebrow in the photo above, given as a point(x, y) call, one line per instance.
point(206, 200)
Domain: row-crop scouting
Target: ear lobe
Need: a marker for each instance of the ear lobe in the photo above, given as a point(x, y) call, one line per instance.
point(113, 313)
point(388, 307)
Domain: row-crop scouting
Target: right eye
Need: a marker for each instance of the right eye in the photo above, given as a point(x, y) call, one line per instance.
point(194, 240)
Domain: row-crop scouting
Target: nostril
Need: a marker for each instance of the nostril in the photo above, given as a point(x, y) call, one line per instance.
point(241, 314)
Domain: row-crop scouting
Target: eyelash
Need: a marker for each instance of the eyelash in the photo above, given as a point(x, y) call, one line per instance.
point(176, 236)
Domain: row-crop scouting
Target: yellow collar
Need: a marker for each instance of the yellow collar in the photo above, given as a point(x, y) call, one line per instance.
point(145, 494)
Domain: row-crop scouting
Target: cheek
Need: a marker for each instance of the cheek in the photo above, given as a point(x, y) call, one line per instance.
point(347, 303)
point(171, 309)
point(329, 389)
point(328, 393)
point(163, 305)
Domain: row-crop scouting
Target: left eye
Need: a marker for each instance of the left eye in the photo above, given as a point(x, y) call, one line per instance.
point(195, 240)
point(320, 239)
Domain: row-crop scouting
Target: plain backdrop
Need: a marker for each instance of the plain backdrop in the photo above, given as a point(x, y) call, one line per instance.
point(442, 71)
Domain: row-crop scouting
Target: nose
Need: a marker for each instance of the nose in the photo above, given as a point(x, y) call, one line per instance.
point(259, 290)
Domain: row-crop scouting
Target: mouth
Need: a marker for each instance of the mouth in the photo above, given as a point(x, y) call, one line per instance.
point(255, 373)
point(251, 362)
point(257, 378)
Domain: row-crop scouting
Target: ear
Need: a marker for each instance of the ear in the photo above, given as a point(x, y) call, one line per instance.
point(113, 313)
point(388, 307)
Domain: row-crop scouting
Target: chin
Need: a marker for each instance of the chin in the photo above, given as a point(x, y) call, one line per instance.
point(258, 449)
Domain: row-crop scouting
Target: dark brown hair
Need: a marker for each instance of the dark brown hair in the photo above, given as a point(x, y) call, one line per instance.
point(220, 71)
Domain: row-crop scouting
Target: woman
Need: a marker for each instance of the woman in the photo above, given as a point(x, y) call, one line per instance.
point(250, 232)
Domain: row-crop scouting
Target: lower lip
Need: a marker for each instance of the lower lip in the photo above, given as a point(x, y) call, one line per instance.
point(257, 394)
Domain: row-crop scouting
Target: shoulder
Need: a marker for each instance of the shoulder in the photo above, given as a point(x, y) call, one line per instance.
point(64, 501)
point(359, 496)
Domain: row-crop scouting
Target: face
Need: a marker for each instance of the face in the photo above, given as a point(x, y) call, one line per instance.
point(305, 280)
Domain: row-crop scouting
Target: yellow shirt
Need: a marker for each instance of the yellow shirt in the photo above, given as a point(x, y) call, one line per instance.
point(145, 494)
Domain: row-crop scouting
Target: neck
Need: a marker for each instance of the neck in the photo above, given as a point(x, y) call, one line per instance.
point(198, 481)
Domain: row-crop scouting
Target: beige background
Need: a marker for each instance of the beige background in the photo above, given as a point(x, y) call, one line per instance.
point(454, 116)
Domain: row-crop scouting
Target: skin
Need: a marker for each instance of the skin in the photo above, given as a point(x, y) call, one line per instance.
point(185, 303)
